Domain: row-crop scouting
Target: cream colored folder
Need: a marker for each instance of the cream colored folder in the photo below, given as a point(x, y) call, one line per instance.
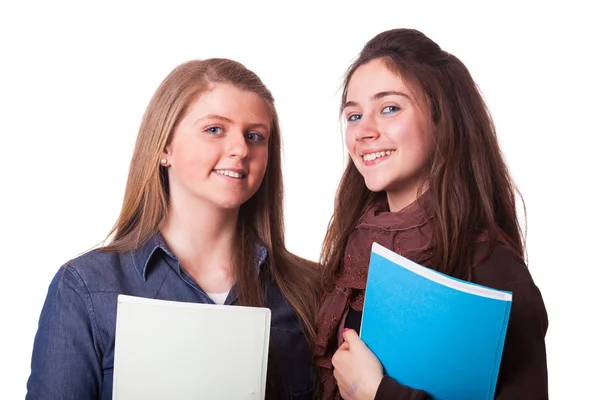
point(176, 351)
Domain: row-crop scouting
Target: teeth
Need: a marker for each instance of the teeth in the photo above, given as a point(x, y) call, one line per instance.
point(231, 174)
point(373, 156)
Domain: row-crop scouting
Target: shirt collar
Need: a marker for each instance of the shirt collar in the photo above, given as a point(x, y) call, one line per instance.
point(143, 258)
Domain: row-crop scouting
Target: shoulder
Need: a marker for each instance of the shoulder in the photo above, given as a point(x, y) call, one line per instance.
point(501, 268)
point(95, 270)
point(498, 264)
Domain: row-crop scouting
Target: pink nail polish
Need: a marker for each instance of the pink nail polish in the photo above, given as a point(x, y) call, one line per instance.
point(346, 329)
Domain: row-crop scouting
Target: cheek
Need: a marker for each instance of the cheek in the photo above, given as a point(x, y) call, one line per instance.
point(190, 161)
point(424, 150)
point(418, 145)
point(350, 139)
point(350, 142)
point(400, 132)
point(421, 141)
point(409, 136)
point(260, 158)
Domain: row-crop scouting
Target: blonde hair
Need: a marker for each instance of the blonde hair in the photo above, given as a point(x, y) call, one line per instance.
point(260, 219)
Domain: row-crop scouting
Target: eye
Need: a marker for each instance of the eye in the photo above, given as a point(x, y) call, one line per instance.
point(214, 130)
point(390, 110)
point(254, 137)
point(354, 118)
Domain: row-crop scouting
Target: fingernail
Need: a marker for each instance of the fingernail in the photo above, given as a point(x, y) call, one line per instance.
point(346, 329)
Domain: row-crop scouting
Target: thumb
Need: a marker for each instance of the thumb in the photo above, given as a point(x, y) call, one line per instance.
point(351, 337)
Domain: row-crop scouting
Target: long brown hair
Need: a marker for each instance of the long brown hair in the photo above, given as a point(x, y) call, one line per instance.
point(469, 184)
point(260, 219)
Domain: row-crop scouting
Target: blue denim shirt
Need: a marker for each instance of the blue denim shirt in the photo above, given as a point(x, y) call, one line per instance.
point(73, 352)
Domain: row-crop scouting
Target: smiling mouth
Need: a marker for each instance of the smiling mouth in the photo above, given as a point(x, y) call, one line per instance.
point(229, 173)
point(371, 158)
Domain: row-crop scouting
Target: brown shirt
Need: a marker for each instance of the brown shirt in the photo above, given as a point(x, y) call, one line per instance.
point(523, 371)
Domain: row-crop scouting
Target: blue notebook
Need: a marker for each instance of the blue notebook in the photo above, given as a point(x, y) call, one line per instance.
point(433, 332)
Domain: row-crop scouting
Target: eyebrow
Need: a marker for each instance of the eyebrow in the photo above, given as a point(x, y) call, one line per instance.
point(378, 96)
point(214, 116)
point(230, 121)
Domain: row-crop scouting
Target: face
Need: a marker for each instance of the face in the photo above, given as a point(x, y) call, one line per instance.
point(387, 132)
point(219, 151)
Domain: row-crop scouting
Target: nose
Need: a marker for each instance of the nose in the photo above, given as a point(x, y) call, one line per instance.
point(237, 146)
point(366, 129)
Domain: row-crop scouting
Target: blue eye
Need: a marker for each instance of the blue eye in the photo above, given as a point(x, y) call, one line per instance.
point(254, 137)
point(354, 118)
point(214, 130)
point(390, 110)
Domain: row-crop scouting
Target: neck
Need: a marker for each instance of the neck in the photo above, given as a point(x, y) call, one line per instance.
point(399, 199)
point(203, 237)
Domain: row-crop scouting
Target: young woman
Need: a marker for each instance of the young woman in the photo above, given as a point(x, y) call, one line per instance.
point(201, 221)
point(427, 180)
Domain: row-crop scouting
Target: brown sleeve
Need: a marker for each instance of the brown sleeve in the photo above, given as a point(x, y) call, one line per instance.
point(523, 370)
point(389, 389)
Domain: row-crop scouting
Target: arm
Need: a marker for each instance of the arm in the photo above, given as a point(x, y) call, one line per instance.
point(523, 370)
point(389, 389)
point(65, 363)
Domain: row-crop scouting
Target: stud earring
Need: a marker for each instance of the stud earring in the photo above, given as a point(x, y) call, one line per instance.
point(163, 161)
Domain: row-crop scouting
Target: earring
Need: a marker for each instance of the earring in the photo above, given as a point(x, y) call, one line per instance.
point(163, 161)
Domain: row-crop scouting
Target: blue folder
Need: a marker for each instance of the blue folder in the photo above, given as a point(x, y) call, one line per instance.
point(433, 332)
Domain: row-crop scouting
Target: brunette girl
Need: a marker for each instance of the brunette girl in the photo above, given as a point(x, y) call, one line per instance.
point(426, 179)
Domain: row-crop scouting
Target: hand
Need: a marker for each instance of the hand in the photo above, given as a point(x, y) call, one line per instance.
point(356, 369)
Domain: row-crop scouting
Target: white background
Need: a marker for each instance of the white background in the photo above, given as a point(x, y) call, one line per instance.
point(75, 80)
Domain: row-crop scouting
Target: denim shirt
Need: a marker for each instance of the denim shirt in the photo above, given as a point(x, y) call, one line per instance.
point(73, 352)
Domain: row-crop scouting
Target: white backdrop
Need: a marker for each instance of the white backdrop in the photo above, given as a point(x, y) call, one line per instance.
point(75, 80)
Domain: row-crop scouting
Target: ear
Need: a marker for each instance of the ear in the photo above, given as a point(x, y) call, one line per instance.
point(165, 156)
point(168, 150)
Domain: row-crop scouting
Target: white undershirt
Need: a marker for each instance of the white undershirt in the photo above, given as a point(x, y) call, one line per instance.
point(218, 298)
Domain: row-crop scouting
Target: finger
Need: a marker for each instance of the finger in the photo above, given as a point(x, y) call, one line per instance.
point(351, 337)
point(344, 346)
point(338, 357)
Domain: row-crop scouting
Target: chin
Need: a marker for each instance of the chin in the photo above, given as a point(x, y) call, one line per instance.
point(230, 205)
point(374, 186)
point(230, 199)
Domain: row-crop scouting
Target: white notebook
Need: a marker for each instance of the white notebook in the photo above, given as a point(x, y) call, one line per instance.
point(176, 351)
